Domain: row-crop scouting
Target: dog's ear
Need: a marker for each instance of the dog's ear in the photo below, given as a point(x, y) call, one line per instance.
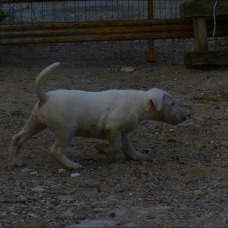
point(157, 100)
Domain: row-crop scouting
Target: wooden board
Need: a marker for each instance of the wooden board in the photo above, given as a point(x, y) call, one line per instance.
point(203, 8)
point(194, 59)
point(105, 31)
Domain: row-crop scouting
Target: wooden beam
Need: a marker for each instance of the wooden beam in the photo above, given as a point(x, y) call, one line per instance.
point(105, 31)
point(203, 8)
point(194, 59)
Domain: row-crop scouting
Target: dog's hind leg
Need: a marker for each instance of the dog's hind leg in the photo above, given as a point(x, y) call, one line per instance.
point(130, 151)
point(30, 129)
point(58, 149)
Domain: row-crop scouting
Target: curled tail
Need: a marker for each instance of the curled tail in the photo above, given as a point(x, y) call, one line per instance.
point(43, 96)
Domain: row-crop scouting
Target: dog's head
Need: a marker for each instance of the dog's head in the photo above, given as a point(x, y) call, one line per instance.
point(164, 107)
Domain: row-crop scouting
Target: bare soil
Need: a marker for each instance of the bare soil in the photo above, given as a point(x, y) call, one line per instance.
point(185, 185)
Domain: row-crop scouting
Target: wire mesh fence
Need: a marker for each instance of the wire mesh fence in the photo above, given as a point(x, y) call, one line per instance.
point(98, 52)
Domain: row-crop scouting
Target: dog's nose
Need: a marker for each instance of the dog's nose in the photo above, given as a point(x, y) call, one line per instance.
point(184, 118)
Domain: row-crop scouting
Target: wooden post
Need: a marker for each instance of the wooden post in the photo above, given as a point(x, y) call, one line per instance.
point(200, 32)
point(149, 55)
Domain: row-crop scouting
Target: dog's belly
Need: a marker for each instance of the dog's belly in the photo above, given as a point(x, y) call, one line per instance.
point(93, 132)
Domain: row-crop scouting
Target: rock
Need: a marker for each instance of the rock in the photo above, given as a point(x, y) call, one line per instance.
point(196, 204)
point(67, 215)
point(94, 223)
point(33, 173)
point(198, 193)
point(171, 140)
point(67, 199)
point(75, 175)
point(80, 216)
point(29, 197)
point(127, 69)
point(131, 224)
point(26, 170)
point(38, 189)
point(22, 197)
point(62, 170)
point(113, 215)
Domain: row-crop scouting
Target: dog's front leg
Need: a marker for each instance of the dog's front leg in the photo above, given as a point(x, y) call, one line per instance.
point(130, 151)
point(115, 144)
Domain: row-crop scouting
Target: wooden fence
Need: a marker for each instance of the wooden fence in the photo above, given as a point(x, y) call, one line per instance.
point(151, 29)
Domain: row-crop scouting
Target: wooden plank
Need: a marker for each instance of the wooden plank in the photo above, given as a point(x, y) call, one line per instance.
point(203, 8)
point(183, 25)
point(194, 59)
point(90, 38)
point(134, 23)
point(200, 32)
point(6, 33)
point(105, 31)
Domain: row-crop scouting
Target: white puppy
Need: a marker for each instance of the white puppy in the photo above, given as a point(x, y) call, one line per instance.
point(107, 115)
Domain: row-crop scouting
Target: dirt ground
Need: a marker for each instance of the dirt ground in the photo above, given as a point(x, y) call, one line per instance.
point(185, 184)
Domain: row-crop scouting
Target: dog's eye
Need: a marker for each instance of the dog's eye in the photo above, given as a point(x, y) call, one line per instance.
point(173, 104)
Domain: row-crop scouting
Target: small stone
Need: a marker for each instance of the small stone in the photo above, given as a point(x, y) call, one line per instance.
point(171, 130)
point(38, 189)
point(33, 173)
point(29, 197)
point(80, 216)
point(131, 224)
point(171, 140)
point(196, 204)
point(26, 170)
point(182, 161)
point(75, 175)
point(113, 215)
point(67, 215)
point(127, 69)
point(73, 191)
point(198, 193)
point(62, 170)
point(21, 197)
point(67, 199)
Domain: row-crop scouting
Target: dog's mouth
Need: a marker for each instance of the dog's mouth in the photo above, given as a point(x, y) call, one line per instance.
point(174, 122)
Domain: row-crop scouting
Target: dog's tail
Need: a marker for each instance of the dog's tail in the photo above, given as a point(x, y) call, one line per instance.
point(39, 91)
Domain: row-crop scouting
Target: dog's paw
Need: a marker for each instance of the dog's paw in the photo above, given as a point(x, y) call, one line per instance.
point(139, 157)
point(17, 163)
point(76, 166)
point(73, 165)
point(101, 149)
point(147, 158)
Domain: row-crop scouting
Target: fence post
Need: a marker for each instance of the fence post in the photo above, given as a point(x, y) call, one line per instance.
point(149, 55)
